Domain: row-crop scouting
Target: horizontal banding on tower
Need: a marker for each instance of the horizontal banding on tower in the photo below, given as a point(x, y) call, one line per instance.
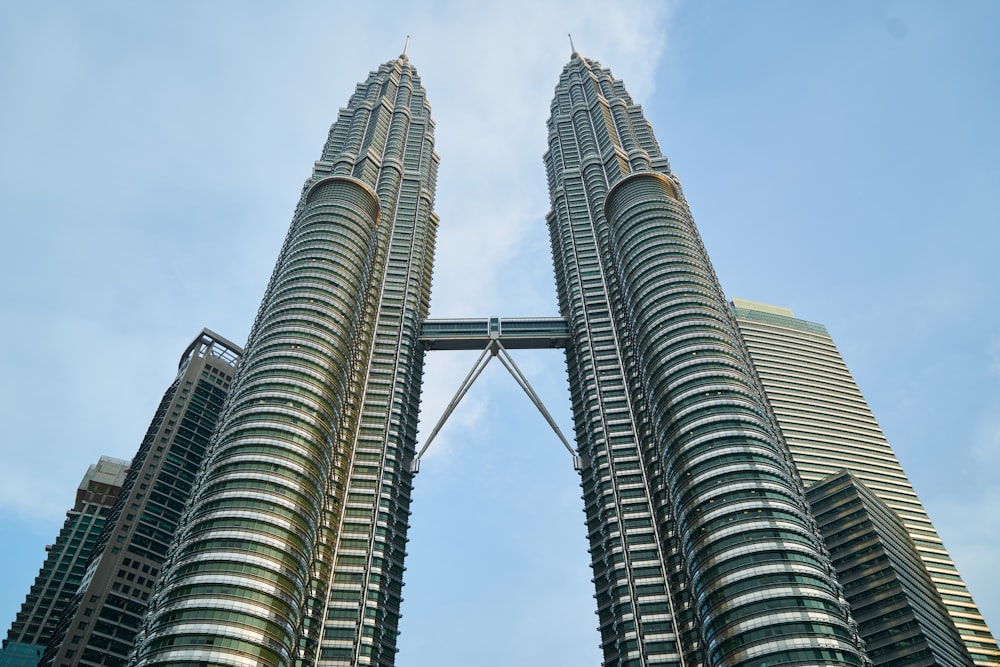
point(235, 590)
point(736, 502)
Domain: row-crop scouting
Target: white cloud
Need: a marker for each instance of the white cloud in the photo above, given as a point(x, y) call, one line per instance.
point(182, 141)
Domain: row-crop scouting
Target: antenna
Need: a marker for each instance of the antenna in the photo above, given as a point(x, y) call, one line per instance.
point(572, 48)
point(406, 45)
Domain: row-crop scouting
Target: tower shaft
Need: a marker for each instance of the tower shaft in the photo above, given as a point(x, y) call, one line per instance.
point(305, 493)
point(702, 545)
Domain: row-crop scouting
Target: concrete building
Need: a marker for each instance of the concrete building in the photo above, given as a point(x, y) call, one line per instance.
point(65, 565)
point(100, 620)
point(702, 547)
point(292, 548)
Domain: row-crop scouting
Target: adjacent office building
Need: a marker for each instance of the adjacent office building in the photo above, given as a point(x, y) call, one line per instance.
point(99, 622)
point(829, 427)
point(65, 564)
point(899, 612)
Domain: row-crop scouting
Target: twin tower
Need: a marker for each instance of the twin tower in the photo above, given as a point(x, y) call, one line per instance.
point(704, 551)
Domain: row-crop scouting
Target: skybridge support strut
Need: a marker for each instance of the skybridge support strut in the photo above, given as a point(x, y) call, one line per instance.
point(494, 348)
point(522, 381)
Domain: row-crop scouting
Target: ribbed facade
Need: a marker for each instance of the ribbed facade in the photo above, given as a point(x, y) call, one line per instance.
point(99, 625)
point(703, 549)
point(305, 494)
point(828, 427)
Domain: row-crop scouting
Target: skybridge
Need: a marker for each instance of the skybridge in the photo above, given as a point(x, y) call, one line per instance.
point(494, 336)
point(520, 333)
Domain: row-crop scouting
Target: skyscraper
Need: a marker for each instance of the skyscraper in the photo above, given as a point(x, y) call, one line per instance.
point(99, 622)
point(65, 564)
point(703, 549)
point(829, 427)
point(292, 548)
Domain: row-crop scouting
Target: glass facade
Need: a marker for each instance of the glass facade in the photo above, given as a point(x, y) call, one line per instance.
point(101, 620)
point(899, 613)
point(703, 548)
point(65, 564)
point(291, 550)
point(696, 519)
point(829, 427)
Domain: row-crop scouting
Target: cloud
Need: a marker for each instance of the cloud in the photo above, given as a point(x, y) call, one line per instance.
point(152, 159)
point(185, 137)
point(491, 130)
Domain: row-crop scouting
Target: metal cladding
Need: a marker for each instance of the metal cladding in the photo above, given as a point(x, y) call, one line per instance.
point(703, 549)
point(305, 493)
point(702, 545)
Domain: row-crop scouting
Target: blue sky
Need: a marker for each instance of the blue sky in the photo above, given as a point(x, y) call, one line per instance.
point(840, 158)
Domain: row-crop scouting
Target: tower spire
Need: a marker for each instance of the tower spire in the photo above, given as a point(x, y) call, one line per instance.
point(571, 47)
point(406, 45)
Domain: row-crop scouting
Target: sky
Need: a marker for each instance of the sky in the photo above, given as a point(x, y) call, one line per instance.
point(840, 158)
